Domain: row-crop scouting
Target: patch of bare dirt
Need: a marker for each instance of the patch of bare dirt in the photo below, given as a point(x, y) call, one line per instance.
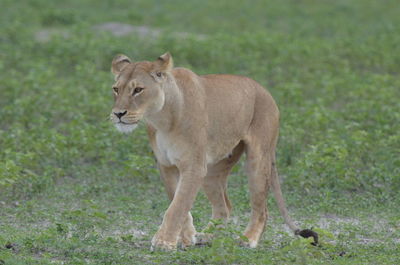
point(47, 34)
point(117, 29)
point(121, 29)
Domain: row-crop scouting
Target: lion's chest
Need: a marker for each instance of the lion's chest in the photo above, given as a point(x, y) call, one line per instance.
point(167, 150)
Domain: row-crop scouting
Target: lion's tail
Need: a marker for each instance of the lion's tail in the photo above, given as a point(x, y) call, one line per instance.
point(276, 187)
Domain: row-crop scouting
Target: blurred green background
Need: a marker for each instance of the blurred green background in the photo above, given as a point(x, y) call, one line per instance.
point(68, 178)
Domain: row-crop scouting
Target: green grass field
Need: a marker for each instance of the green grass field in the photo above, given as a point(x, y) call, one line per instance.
point(75, 191)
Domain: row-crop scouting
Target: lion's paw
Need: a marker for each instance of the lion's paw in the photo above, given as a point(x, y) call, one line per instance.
point(203, 239)
point(160, 244)
point(187, 239)
point(248, 243)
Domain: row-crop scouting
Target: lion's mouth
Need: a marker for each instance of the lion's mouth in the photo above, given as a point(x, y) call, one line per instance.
point(126, 123)
point(125, 127)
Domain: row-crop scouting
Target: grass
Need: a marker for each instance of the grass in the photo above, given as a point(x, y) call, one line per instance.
point(75, 191)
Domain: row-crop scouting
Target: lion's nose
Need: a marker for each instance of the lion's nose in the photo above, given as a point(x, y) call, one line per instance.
point(120, 114)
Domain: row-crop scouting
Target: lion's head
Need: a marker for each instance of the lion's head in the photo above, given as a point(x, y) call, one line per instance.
point(138, 89)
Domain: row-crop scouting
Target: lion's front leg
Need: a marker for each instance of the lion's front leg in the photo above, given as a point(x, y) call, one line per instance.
point(177, 217)
point(170, 176)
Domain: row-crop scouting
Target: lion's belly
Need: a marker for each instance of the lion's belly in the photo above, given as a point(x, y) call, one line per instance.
point(220, 149)
point(222, 140)
point(215, 158)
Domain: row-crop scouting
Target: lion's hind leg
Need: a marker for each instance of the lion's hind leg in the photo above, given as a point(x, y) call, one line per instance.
point(215, 183)
point(215, 188)
point(258, 169)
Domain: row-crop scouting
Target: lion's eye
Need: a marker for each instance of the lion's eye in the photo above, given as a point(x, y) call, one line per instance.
point(115, 89)
point(138, 90)
point(159, 74)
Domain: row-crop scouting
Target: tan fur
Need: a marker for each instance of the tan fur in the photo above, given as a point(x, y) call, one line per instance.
point(199, 126)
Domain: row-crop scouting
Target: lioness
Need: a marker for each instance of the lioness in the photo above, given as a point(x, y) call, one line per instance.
point(199, 126)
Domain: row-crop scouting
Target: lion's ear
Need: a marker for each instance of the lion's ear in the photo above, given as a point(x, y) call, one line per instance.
point(119, 63)
point(165, 62)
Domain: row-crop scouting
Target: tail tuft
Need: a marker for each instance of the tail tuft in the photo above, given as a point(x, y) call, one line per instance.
point(276, 187)
point(306, 233)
